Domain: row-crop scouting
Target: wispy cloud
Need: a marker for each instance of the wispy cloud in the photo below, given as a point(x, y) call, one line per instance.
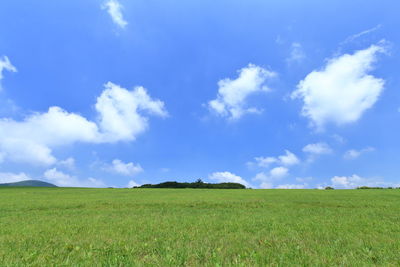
point(353, 153)
point(358, 35)
point(5, 64)
point(114, 9)
point(297, 54)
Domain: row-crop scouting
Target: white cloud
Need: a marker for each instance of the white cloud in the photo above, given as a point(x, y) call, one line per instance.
point(267, 180)
point(69, 163)
point(343, 90)
point(287, 159)
point(304, 179)
point(317, 149)
point(358, 35)
point(65, 180)
point(348, 182)
point(127, 169)
point(297, 54)
point(278, 172)
point(339, 139)
point(232, 94)
point(121, 112)
point(31, 140)
point(120, 118)
point(266, 185)
point(291, 186)
point(262, 176)
point(114, 9)
point(5, 64)
point(353, 154)
point(264, 162)
point(225, 177)
point(24, 150)
point(132, 184)
point(9, 177)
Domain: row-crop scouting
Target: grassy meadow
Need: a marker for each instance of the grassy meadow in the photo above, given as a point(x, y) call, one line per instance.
point(192, 227)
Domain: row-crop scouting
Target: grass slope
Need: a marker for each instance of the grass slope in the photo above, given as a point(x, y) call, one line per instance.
point(28, 183)
point(170, 227)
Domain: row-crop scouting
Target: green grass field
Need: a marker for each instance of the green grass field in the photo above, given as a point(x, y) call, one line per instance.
point(169, 227)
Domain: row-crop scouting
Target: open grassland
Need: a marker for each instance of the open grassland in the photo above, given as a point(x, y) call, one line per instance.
point(169, 227)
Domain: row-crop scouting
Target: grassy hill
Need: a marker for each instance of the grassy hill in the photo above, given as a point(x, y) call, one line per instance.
point(30, 183)
point(191, 227)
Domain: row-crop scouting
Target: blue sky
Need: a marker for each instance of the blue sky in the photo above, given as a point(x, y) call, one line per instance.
point(272, 94)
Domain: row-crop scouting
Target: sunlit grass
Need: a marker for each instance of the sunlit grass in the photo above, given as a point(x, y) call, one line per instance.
point(64, 226)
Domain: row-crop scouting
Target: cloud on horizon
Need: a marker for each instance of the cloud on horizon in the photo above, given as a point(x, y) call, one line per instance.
point(10, 177)
point(226, 177)
point(62, 179)
point(354, 181)
point(127, 169)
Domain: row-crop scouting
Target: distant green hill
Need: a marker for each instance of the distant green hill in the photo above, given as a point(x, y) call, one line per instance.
point(32, 183)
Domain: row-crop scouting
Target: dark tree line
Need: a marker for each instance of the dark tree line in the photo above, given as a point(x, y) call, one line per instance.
point(198, 184)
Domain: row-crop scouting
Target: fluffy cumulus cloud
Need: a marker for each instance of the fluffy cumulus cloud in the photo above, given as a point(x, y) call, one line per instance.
point(232, 94)
point(225, 177)
point(317, 149)
point(5, 64)
point(349, 182)
point(60, 178)
point(267, 180)
point(9, 177)
point(278, 172)
point(282, 164)
point(114, 9)
point(288, 159)
point(353, 153)
point(128, 169)
point(121, 112)
point(121, 117)
point(343, 90)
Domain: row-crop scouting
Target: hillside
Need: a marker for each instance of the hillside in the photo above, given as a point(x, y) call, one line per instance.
point(30, 183)
point(192, 227)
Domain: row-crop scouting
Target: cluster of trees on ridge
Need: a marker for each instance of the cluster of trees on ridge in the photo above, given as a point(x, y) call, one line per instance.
point(198, 184)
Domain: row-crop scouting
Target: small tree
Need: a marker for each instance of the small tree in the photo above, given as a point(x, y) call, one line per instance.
point(199, 181)
point(329, 188)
